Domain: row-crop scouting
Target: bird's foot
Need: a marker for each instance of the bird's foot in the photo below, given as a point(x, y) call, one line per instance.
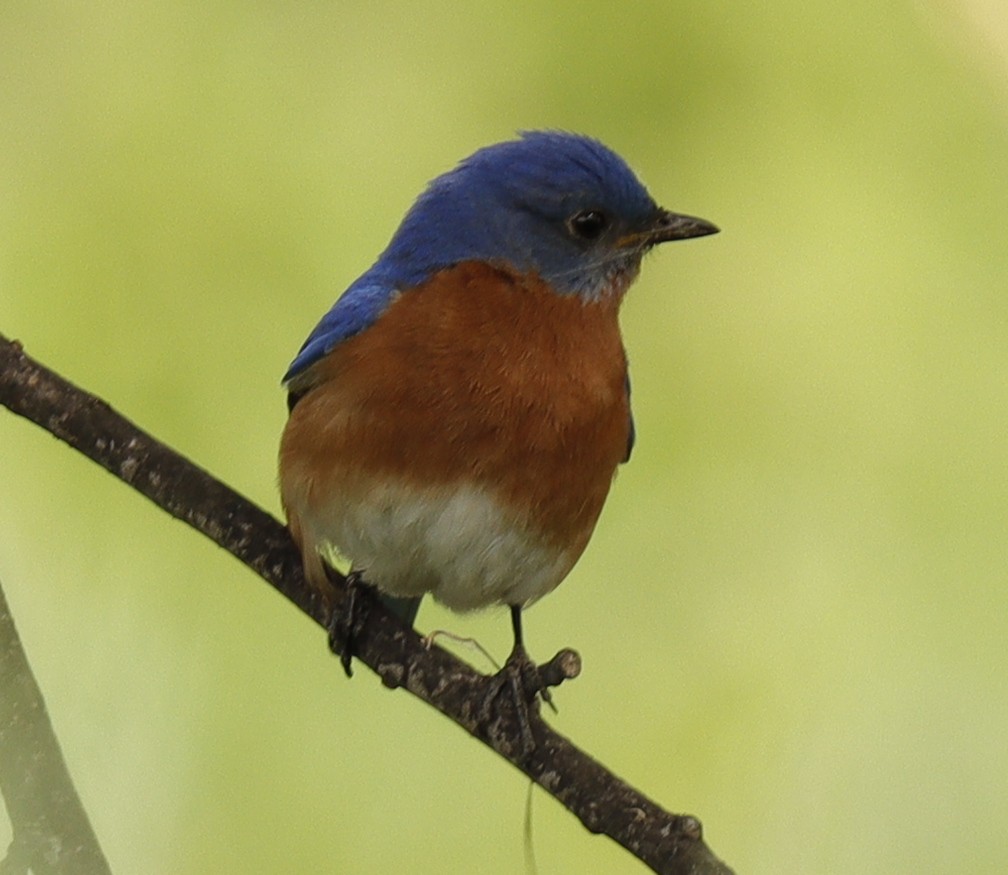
point(347, 619)
point(519, 681)
point(525, 683)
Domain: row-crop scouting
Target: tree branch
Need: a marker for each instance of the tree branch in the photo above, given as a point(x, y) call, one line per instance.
point(669, 843)
point(52, 834)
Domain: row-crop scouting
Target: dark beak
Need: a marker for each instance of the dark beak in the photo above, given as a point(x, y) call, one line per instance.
point(673, 226)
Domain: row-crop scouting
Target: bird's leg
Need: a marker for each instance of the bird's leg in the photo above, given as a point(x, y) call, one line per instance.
point(520, 676)
point(346, 620)
point(516, 628)
point(532, 681)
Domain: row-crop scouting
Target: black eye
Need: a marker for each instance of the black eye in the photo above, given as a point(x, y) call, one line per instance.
point(588, 224)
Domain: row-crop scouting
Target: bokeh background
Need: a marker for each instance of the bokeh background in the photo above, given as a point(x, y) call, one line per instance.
point(793, 616)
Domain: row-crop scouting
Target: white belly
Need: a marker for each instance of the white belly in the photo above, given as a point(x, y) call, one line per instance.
point(456, 543)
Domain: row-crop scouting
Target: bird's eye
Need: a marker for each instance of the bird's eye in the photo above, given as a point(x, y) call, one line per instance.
point(588, 224)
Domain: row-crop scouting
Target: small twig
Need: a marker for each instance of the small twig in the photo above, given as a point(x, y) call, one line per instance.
point(431, 638)
point(668, 843)
point(565, 666)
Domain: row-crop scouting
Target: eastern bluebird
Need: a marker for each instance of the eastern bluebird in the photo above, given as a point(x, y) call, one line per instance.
point(457, 417)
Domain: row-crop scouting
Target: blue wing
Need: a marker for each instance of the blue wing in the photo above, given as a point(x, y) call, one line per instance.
point(632, 430)
point(356, 309)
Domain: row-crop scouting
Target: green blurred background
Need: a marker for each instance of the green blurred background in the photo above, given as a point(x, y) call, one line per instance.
point(793, 615)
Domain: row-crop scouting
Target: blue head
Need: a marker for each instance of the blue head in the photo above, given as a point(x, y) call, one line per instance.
point(560, 205)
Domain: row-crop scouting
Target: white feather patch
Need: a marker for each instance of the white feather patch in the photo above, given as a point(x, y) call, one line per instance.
point(456, 543)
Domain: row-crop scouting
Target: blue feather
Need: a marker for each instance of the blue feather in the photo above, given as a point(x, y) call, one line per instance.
point(507, 204)
point(357, 308)
point(632, 430)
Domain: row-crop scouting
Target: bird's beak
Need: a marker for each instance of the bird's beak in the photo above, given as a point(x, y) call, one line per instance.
point(673, 226)
point(664, 227)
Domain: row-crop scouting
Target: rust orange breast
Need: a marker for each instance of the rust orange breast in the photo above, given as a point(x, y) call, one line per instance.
point(479, 377)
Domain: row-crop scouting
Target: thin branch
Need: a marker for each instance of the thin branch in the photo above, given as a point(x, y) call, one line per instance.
point(669, 843)
point(52, 834)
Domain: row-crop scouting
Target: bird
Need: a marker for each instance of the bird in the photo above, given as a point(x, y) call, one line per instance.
point(456, 419)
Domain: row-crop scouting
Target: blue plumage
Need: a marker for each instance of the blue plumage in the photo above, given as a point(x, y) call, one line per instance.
point(508, 204)
point(356, 309)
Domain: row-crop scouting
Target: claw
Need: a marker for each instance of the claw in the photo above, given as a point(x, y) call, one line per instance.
point(346, 621)
point(519, 677)
point(527, 682)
